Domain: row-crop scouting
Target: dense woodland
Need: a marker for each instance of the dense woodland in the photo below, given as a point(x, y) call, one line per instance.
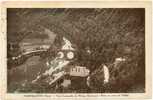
point(108, 33)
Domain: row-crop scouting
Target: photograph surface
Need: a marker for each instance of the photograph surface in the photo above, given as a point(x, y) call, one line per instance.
point(76, 50)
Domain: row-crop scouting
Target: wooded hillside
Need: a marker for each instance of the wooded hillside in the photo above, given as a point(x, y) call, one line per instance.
point(108, 33)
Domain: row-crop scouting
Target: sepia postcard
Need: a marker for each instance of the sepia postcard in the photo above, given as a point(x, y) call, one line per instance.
point(75, 50)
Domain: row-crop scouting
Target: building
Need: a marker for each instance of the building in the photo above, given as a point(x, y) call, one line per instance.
point(79, 71)
point(61, 70)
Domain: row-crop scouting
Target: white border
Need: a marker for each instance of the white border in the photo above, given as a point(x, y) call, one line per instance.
point(76, 4)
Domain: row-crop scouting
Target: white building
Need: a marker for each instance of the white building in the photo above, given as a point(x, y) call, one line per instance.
point(79, 71)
